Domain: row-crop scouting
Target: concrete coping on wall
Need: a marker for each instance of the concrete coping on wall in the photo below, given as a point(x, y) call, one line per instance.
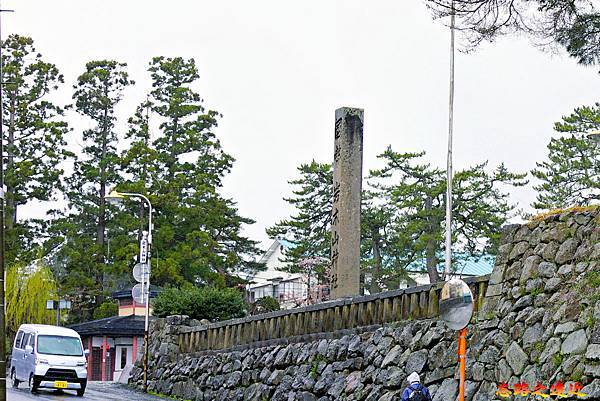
point(330, 304)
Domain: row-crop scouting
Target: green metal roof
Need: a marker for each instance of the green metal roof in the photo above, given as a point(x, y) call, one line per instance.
point(461, 264)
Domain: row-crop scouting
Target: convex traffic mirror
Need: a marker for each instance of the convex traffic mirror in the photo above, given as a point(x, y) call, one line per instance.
point(456, 304)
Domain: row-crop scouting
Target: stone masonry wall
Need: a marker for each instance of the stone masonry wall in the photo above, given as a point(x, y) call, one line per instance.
point(540, 323)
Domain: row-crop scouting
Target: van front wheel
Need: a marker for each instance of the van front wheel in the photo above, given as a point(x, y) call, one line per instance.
point(81, 391)
point(33, 385)
point(13, 377)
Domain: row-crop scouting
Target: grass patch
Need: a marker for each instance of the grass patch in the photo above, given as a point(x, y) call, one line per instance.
point(588, 286)
point(554, 212)
point(167, 397)
point(593, 279)
point(314, 367)
point(557, 359)
point(535, 292)
point(589, 322)
point(577, 375)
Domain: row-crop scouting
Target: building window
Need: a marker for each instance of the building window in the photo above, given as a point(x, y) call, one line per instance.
point(123, 357)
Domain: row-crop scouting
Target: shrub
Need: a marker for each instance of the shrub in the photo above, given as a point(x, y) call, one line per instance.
point(106, 309)
point(264, 305)
point(200, 303)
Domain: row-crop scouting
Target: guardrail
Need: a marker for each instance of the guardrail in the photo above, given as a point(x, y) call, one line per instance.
point(341, 314)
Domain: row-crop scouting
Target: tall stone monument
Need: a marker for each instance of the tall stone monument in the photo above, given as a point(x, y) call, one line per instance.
point(345, 214)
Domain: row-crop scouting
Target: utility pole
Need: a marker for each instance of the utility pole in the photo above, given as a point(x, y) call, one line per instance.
point(448, 259)
point(2, 297)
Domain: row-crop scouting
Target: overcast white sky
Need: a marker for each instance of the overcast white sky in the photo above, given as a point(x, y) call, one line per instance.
point(277, 70)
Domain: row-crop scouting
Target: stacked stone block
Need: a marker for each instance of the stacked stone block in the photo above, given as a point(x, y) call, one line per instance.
point(540, 322)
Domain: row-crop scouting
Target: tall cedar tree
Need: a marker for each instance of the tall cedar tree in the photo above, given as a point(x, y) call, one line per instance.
point(34, 136)
point(197, 235)
point(137, 168)
point(572, 24)
point(309, 230)
point(571, 176)
point(83, 227)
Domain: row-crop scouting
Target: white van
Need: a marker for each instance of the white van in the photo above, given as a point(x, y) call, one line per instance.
point(48, 357)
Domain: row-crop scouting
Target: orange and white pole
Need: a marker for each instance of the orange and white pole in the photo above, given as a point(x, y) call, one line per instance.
point(462, 361)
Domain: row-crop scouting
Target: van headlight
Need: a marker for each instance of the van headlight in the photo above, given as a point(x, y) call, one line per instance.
point(41, 361)
point(82, 364)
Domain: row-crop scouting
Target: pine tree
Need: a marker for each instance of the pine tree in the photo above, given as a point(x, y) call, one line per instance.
point(402, 216)
point(309, 229)
point(416, 194)
point(197, 235)
point(35, 144)
point(412, 196)
point(571, 176)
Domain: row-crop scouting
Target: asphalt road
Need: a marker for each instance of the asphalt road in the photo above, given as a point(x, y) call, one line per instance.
point(95, 391)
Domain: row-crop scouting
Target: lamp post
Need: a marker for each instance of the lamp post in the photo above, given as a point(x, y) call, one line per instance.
point(118, 197)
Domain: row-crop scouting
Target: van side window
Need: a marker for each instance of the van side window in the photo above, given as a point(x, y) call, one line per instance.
point(25, 340)
point(18, 339)
point(32, 340)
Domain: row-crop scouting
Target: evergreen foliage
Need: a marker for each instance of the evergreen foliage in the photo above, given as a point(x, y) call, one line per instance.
point(82, 227)
point(571, 175)
point(402, 216)
point(265, 305)
point(179, 165)
point(309, 229)
point(197, 236)
point(412, 197)
point(208, 303)
point(106, 309)
point(34, 139)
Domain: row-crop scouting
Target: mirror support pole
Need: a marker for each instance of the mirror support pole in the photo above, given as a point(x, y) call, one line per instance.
point(462, 360)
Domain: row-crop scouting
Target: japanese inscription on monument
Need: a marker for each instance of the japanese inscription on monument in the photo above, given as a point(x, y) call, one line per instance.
point(345, 215)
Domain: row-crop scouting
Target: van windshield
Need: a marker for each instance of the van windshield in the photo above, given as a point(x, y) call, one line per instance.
point(59, 345)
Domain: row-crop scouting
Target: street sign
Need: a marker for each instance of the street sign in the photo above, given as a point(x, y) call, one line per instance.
point(139, 270)
point(137, 292)
point(144, 250)
point(456, 304)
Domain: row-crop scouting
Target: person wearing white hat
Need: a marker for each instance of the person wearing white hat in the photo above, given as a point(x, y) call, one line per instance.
point(415, 390)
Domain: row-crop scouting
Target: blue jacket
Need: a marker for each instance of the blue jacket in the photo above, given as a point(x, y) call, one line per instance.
point(415, 386)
